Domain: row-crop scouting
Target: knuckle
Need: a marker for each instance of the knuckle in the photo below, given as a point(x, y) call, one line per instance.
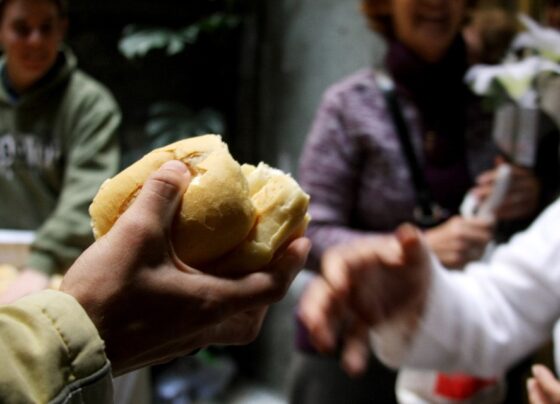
point(138, 231)
point(166, 184)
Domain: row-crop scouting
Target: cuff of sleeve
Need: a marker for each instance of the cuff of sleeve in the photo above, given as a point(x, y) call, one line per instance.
point(84, 346)
point(391, 341)
point(427, 348)
point(405, 339)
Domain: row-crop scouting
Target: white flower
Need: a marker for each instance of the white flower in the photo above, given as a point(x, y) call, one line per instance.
point(546, 41)
point(515, 78)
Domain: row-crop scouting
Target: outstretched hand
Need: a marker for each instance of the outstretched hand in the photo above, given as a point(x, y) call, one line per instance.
point(148, 306)
point(364, 284)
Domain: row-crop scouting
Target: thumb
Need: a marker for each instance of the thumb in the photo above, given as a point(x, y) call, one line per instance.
point(414, 250)
point(161, 193)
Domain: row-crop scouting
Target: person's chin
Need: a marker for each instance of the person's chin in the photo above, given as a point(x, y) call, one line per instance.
point(35, 71)
point(435, 29)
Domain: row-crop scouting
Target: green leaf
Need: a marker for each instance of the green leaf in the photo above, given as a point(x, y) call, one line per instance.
point(171, 121)
point(137, 42)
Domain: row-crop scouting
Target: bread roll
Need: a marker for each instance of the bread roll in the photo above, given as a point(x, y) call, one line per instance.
point(231, 218)
point(281, 208)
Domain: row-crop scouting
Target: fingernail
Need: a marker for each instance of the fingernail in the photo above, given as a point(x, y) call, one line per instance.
point(536, 369)
point(405, 232)
point(174, 165)
point(306, 244)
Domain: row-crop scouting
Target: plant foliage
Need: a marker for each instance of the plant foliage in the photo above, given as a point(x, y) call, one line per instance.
point(137, 42)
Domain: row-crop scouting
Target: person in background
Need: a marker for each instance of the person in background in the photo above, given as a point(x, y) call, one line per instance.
point(133, 309)
point(362, 182)
point(58, 139)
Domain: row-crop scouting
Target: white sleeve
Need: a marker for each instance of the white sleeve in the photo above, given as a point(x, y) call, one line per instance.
point(484, 319)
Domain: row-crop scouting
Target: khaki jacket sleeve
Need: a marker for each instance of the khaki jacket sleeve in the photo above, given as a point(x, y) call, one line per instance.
point(51, 352)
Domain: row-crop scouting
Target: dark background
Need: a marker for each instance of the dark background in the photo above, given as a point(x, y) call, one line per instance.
point(205, 75)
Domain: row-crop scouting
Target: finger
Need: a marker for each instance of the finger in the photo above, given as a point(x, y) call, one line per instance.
point(252, 290)
point(322, 314)
point(335, 266)
point(483, 223)
point(284, 268)
point(279, 274)
point(521, 172)
point(355, 352)
point(525, 188)
point(486, 178)
point(547, 382)
point(481, 192)
point(415, 252)
point(477, 232)
point(511, 210)
point(160, 195)
point(536, 395)
point(516, 208)
point(294, 255)
point(389, 252)
point(347, 267)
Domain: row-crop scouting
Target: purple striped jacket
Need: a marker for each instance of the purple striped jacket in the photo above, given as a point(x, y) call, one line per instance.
point(353, 167)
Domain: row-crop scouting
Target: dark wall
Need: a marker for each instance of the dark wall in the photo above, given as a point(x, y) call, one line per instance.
point(204, 75)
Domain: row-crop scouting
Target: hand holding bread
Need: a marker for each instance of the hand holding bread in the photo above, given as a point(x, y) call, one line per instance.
point(231, 218)
point(150, 308)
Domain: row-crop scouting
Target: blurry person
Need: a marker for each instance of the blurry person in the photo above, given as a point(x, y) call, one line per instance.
point(58, 139)
point(376, 158)
point(129, 302)
point(481, 321)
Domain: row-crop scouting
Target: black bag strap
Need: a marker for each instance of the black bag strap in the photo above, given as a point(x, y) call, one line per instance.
point(427, 213)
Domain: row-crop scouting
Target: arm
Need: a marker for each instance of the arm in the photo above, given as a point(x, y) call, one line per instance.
point(496, 312)
point(480, 321)
point(146, 305)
